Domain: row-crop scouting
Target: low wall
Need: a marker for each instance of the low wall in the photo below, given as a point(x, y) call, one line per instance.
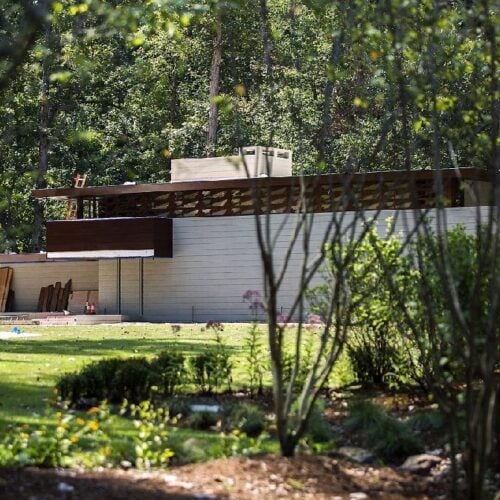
point(29, 277)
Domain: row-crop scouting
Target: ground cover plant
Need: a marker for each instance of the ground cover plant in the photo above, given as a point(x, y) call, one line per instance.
point(168, 432)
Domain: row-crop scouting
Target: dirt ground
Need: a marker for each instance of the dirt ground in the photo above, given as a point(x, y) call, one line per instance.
point(263, 477)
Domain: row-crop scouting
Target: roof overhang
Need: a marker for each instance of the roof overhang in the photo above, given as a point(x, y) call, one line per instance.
point(474, 174)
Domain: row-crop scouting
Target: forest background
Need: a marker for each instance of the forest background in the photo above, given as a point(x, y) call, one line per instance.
point(117, 89)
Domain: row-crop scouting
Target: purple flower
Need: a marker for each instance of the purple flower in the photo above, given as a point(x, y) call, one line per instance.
point(315, 319)
point(255, 304)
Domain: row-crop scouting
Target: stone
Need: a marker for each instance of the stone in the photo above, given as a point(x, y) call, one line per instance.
point(65, 488)
point(199, 408)
point(421, 464)
point(358, 495)
point(355, 454)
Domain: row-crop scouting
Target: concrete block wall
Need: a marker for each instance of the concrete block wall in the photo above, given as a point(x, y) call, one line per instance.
point(216, 260)
point(28, 278)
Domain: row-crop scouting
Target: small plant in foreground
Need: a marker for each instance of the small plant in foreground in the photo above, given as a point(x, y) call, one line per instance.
point(151, 439)
point(391, 439)
point(202, 420)
point(249, 419)
point(74, 440)
point(211, 369)
point(255, 357)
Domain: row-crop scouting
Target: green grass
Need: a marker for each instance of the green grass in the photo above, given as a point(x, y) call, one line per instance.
point(30, 367)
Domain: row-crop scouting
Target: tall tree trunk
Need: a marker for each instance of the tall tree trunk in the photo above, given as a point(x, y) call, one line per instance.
point(213, 114)
point(266, 40)
point(43, 146)
point(329, 92)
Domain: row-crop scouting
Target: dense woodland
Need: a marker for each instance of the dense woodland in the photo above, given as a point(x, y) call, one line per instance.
point(117, 89)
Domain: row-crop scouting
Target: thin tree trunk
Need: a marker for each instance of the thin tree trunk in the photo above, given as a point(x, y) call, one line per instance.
point(213, 114)
point(43, 147)
point(328, 94)
point(266, 40)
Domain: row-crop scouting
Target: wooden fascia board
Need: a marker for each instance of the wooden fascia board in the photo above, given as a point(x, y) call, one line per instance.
point(333, 179)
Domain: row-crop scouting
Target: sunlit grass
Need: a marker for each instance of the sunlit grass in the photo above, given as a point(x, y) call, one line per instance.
point(30, 367)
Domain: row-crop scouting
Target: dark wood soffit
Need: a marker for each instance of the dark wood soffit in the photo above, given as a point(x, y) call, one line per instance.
point(139, 233)
point(394, 175)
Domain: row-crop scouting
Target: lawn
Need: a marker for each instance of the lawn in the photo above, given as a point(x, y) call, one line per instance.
point(30, 367)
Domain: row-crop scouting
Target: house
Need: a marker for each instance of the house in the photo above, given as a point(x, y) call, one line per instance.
point(186, 250)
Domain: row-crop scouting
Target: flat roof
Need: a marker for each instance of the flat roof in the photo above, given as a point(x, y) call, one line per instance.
point(470, 173)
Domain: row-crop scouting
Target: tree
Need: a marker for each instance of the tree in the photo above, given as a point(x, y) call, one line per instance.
point(426, 98)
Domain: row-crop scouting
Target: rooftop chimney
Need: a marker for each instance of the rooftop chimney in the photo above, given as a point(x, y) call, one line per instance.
point(260, 161)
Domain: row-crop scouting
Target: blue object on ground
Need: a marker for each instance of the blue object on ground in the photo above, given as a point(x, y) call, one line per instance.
point(16, 330)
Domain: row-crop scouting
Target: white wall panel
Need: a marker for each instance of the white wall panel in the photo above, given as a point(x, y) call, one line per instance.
point(216, 259)
point(28, 278)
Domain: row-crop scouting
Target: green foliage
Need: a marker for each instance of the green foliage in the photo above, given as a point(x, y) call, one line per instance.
point(319, 429)
point(378, 353)
point(151, 438)
point(256, 358)
point(202, 420)
point(94, 381)
point(72, 440)
point(249, 419)
point(363, 415)
point(342, 373)
point(117, 379)
point(133, 381)
point(212, 369)
point(448, 347)
point(169, 366)
point(128, 91)
point(391, 439)
point(428, 420)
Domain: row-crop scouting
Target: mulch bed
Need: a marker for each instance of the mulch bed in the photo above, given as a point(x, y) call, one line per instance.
point(264, 477)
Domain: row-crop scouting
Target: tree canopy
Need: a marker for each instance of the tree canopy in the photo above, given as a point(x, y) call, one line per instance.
point(116, 89)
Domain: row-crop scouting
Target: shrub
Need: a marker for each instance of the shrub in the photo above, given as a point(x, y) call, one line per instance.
point(424, 421)
point(379, 354)
point(118, 379)
point(170, 370)
point(392, 440)
point(202, 420)
point(249, 419)
point(210, 370)
point(179, 406)
point(388, 437)
point(319, 429)
point(69, 387)
point(342, 374)
point(132, 381)
point(376, 355)
point(364, 414)
point(94, 381)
